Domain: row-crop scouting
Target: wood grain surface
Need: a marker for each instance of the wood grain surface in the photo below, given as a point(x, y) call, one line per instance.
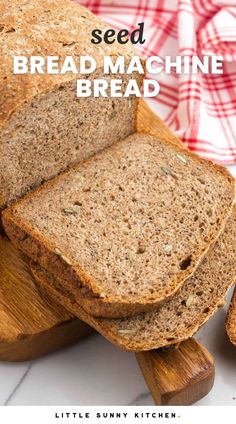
point(30, 325)
point(179, 376)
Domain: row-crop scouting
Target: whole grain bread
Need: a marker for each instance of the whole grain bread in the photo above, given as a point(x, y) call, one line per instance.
point(124, 229)
point(231, 320)
point(178, 319)
point(44, 126)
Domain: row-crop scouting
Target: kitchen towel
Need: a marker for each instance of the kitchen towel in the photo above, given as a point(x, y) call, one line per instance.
point(200, 109)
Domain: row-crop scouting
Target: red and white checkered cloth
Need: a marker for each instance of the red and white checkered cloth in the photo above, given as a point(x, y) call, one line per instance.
point(200, 109)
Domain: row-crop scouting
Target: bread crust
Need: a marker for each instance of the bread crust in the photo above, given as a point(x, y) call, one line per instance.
point(20, 22)
point(230, 323)
point(42, 251)
point(31, 105)
point(114, 330)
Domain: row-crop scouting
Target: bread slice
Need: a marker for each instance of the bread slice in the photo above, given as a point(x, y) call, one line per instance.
point(179, 318)
point(44, 126)
point(124, 229)
point(231, 319)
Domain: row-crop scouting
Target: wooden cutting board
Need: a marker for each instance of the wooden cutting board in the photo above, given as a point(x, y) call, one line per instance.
point(31, 326)
point(178, 376)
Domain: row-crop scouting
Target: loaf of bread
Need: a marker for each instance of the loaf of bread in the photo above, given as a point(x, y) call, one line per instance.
point(231, 320)
point(124, 229)
point(44, 126)
point(178, 319)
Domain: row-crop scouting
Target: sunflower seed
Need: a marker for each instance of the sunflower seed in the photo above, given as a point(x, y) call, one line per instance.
point(66, 260)
point(168, 248)
point(69, 211)
point(190, 300)
point(166, 170)
point(182, 158)
point(127, 331)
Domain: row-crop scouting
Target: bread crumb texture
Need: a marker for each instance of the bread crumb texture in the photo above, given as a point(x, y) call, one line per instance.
point(44, 126)
point(179, 318)
point(127, 227)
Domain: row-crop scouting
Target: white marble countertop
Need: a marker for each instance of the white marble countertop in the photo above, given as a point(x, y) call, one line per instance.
point(94, 372)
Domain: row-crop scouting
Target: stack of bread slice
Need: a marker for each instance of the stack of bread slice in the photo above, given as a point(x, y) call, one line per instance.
point(132, 233)
point(138, 241)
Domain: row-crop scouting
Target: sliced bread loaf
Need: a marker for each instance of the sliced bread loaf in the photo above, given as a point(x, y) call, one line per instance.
point(125, 228)
point(178, 319)
point(231, 320)
point(44, 126)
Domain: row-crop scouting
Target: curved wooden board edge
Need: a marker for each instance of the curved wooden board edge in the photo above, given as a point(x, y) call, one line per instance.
point(30, 325)
point(178, 376)
point(45, 342)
